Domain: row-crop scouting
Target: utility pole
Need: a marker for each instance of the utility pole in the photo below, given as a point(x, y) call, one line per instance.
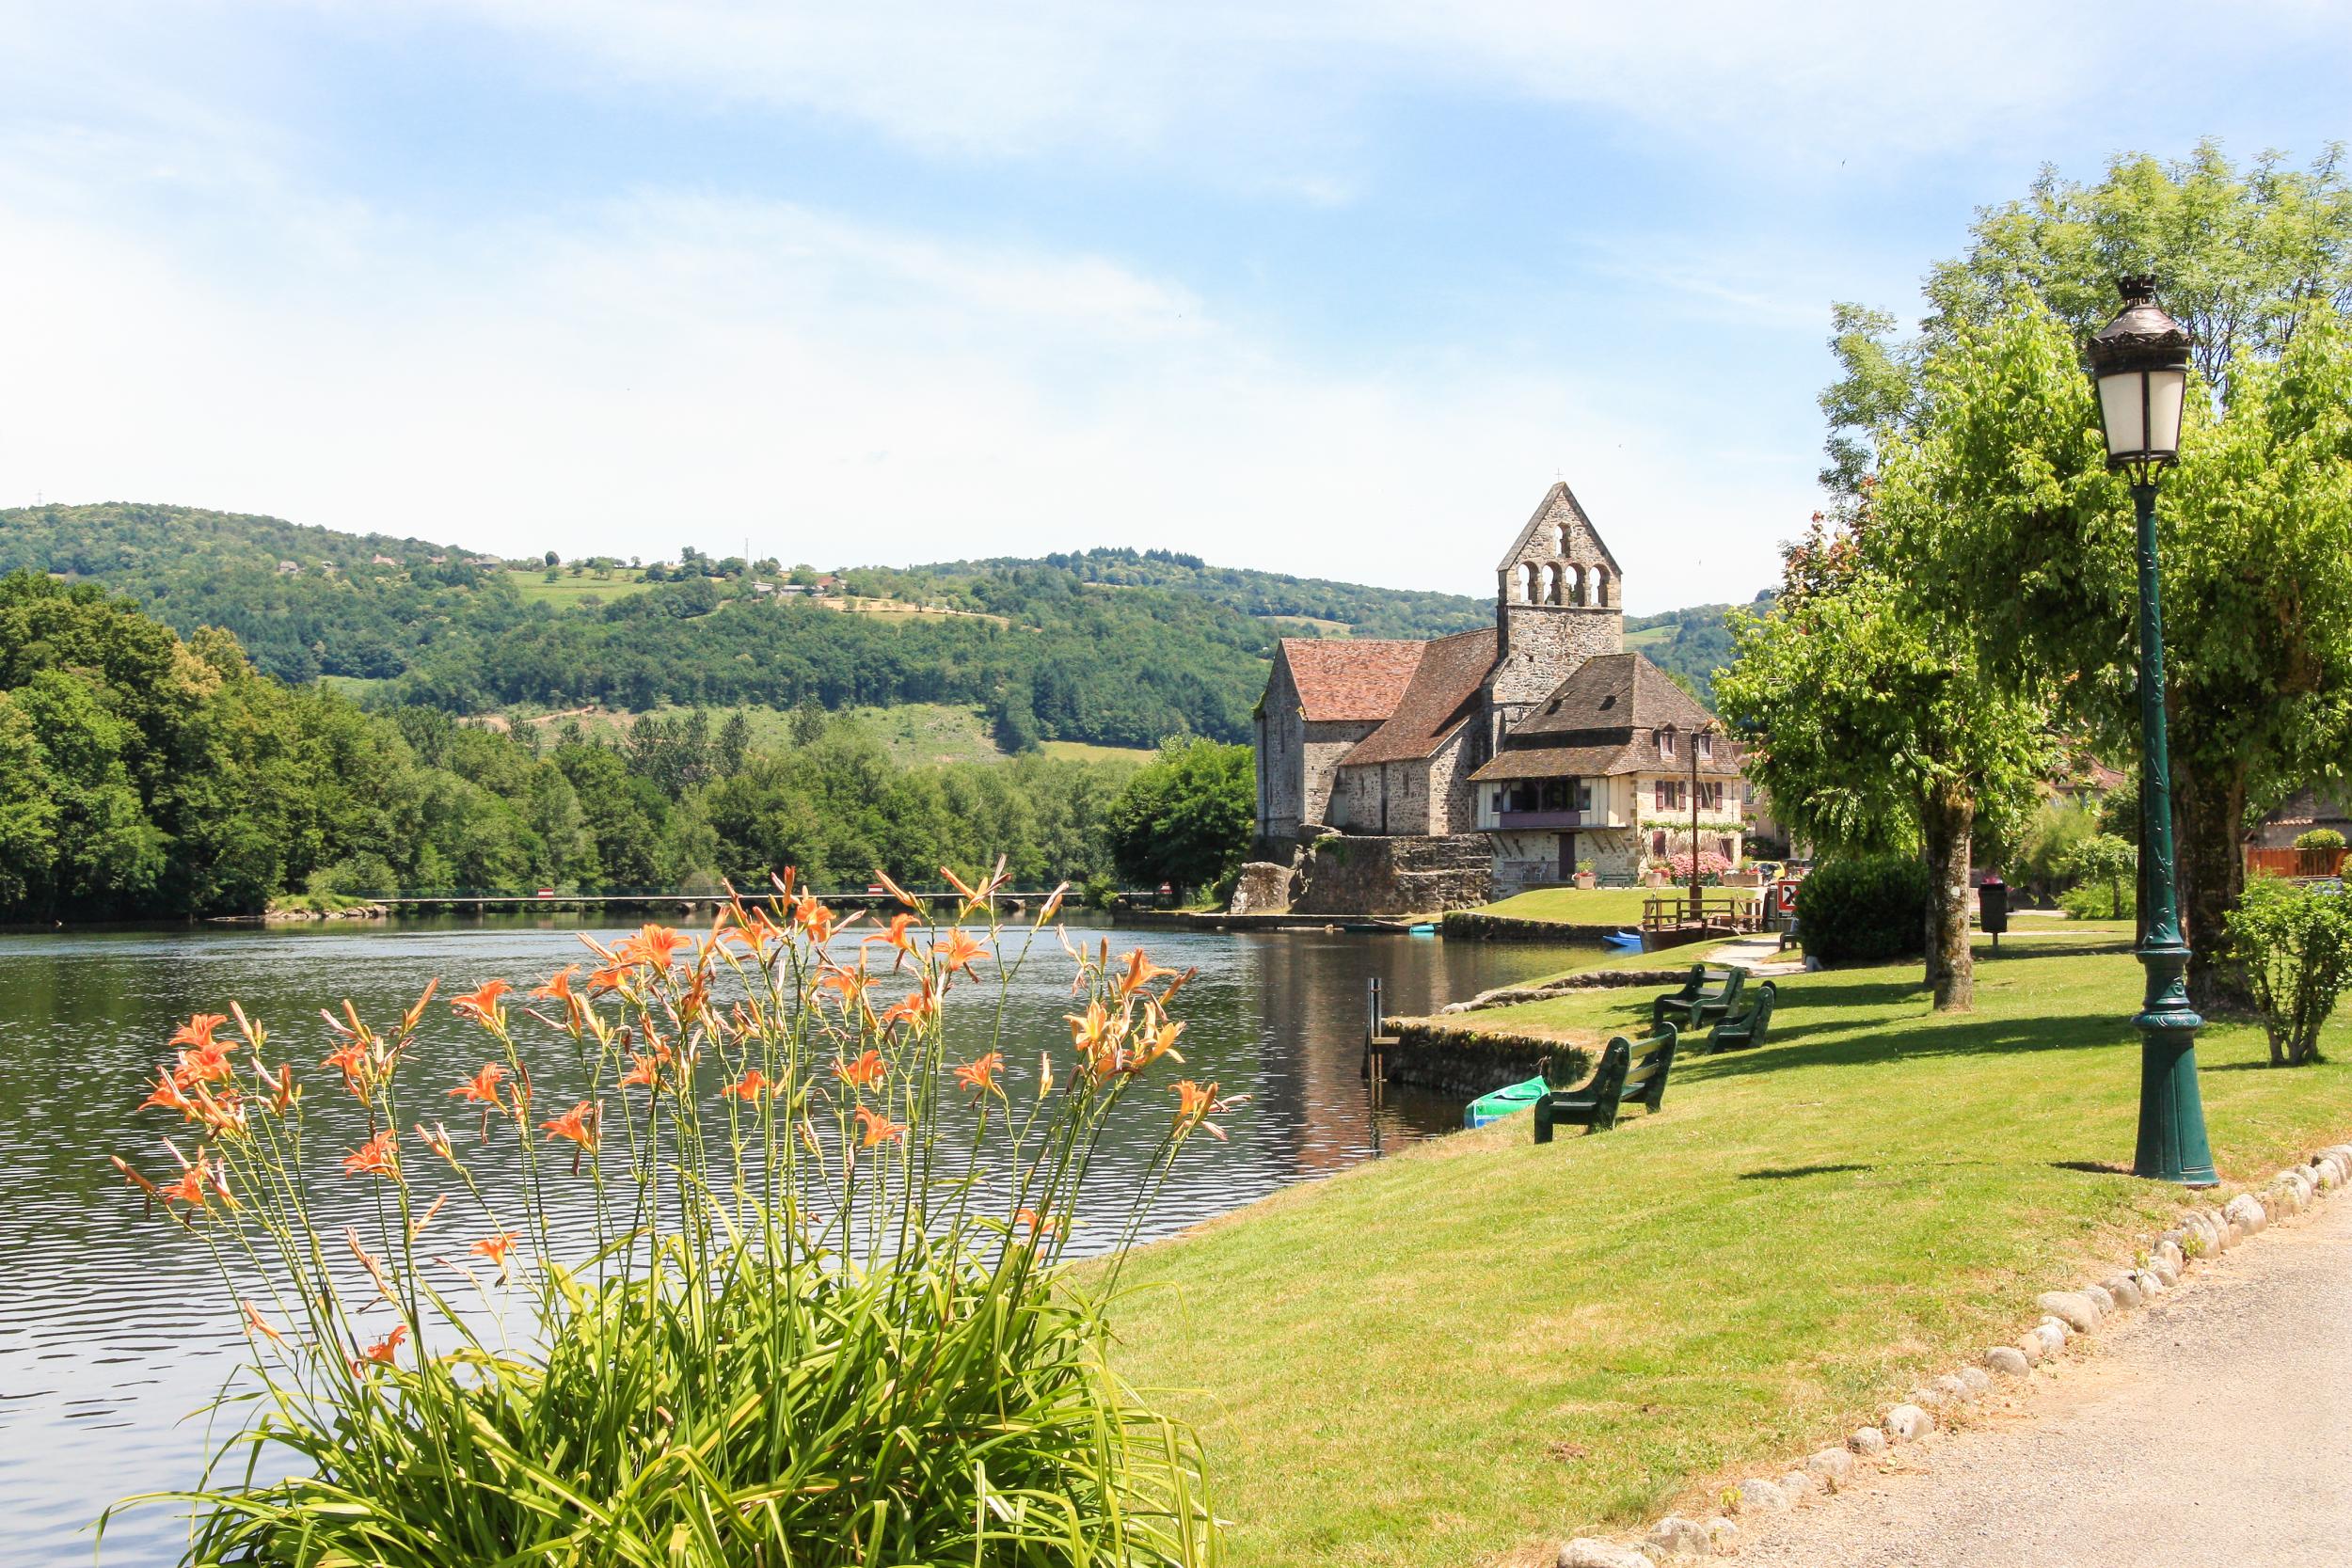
point(1696, 919)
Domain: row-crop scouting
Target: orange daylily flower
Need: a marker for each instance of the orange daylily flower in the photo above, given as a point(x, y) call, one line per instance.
point(578, 1124)
point(169, 1095)
point(351, 1060)
point(863, 1073)
point(609, 977)
point(558, 987)
point(981, 1076)
point(380, 1353)
point(379, 1156)
point(281, 1084)
point(873, 1128)
point(652, 944)
point(260, 1324)
point(482, 1087)
point(416, 1227)
point(850, 983)
point(496, 1248)
point(1195, 1105)
point(750, 1087)
point(896, 937)
point(1140, 972)
point(195, 1186)
point(916, 1006)
point(1038, 1224)
point(207, 1064)
point(958, 953)
point(483, 1004)
point(198, 1031)
point(1158, 1040)
point(901, 895)
point(815, 922)
point(643, 1072)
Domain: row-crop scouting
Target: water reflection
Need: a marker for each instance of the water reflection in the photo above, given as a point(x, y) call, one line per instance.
point(110, 1335)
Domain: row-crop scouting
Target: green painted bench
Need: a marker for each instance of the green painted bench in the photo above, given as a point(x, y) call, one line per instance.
point(1747, 1029)
point(1696, 1004)
point(1630, 1072)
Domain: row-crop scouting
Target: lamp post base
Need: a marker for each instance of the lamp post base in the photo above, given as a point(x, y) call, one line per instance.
point(2172, 1115)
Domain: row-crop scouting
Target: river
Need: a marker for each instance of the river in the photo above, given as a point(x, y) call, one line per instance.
point(112, 1334)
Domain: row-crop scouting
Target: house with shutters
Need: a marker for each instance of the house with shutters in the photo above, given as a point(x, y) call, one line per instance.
point(1536, 746)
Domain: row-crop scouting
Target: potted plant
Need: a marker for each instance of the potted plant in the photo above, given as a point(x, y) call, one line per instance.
point(1584, 876)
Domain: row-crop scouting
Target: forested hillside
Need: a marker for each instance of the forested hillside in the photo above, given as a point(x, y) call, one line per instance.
point(1051, 651)
point(1115, 648)
point(1691, 643)
point(145, 775)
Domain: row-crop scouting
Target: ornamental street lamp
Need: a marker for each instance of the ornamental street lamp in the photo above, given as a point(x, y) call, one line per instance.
point(2141, 363)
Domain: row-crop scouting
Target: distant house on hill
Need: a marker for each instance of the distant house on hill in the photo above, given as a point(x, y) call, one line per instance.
point(382, 560)
point(1499, 759)
point(289, 568)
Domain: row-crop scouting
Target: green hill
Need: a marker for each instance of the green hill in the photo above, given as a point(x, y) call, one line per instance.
point(1692, 644)
point(1102, 647)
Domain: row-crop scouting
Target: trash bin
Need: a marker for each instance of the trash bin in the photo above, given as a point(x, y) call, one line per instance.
point(1993, 908)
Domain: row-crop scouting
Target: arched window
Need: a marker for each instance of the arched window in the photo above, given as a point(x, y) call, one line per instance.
point(1597, 588)
point(1551, 583)
point(1576, 585)
point(1527, 582)
point(1559, 538)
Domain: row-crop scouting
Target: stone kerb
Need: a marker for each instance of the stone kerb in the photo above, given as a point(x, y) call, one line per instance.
point(2160, 1264)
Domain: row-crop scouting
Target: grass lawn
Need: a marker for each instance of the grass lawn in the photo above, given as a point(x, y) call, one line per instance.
point(566, 591)
point(1596, 905)
point(1468, 1352)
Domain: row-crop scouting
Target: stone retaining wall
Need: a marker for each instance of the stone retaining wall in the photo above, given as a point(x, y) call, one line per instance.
point(1400, 874)
point(1454, 1059)
point(1504, 927)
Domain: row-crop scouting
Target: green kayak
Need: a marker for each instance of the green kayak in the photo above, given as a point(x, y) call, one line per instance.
point(1510, 1097)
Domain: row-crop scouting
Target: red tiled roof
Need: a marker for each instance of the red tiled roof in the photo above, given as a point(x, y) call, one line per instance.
point(1350, 678)
point(1443, 692)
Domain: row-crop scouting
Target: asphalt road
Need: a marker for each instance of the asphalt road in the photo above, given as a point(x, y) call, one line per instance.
point(2213, 1426)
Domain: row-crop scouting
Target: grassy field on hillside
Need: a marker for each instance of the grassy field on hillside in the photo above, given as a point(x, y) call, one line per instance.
point(914, 733)
point(1596, 905)
point(566, 591)
point(1470, 1351)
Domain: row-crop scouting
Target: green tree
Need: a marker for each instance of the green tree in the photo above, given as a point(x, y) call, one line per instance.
point(1186, 818)
point(2107, 862)
point(1874, 730)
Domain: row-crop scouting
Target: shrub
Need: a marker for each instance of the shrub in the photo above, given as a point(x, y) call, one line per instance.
point(2101, 900)
point(1864, 910)
point(2295, 940)
point(2109, 867)
point(2319, 838)
point(785, 1284)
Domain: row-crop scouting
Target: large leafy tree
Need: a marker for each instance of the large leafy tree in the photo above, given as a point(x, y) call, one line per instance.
point(2035, 542)
point(1875, 728)
point(1186, 818)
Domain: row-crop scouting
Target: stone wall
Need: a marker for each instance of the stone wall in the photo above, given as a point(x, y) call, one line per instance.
point(1401, 874)
point(1263, 887)
point(1462, 1059)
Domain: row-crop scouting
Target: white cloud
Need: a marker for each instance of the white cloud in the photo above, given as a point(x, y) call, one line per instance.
point(671, 369)
point(1257, 87)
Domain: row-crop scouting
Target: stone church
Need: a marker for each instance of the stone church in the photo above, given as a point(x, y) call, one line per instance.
point(1475, 766)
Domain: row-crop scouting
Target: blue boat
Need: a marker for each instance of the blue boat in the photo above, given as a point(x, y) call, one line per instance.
point(1507, 1101)
point(1624, 942)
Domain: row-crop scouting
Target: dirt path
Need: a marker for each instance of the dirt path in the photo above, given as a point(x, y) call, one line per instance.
point(2209, 1427)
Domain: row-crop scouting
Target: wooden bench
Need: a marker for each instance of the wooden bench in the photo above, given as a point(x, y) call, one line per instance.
point(1630, 1072)
point(1749, 1027)
point(1696, 1004)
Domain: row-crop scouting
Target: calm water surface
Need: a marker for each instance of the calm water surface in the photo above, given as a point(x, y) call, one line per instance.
point(112, 1332)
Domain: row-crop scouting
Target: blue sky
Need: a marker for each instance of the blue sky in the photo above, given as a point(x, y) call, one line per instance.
point(1335, 289)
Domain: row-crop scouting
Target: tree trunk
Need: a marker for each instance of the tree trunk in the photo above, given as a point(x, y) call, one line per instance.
point(1949, 823)
point(2209, 814)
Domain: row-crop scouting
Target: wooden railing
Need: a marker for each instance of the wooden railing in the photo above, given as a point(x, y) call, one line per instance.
point(1671, 911)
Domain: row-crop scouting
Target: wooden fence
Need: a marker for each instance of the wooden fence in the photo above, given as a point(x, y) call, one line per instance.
point(2295, 863)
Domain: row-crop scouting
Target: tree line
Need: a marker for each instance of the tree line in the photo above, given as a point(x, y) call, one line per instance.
point(146, 775)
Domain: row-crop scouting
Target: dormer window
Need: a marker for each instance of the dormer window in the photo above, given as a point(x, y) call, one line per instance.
point(1666, 744)
point(1706, 748)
